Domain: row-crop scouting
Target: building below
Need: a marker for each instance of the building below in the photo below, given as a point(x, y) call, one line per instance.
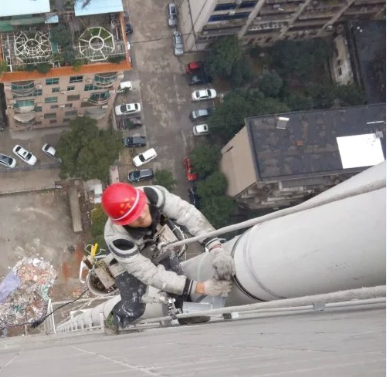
point(264, 22)
point(64, 60)
point(281, 160)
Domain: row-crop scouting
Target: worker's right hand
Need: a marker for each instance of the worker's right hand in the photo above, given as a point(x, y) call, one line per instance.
point(216, 287)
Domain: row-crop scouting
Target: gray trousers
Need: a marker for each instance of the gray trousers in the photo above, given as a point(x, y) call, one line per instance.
point(131, 289)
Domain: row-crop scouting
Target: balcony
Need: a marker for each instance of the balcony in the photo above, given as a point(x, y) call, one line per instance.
point(99, 98)
point(23, 87)
point(105, 80)
point(24, 107)
point(25, 119)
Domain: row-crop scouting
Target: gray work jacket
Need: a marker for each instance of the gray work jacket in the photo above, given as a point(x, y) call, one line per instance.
point(137, 262)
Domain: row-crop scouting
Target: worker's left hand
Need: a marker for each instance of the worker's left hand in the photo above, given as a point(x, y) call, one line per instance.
point(223, 263)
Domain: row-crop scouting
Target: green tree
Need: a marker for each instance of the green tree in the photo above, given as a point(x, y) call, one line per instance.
point(349, 95)
point(164, 178)
point(61, 35)
point(270, 84)
point(3, 66)
point(298, 102)
point(224, 53)
point(205, 159)
point(242, 72)
point(218, 209)
point(215, 184)
point(43, 67)
point(98, 220)
point(86, 151)
point(323, 94)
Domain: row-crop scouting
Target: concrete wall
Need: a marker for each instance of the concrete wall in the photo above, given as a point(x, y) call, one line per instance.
point(237, 163)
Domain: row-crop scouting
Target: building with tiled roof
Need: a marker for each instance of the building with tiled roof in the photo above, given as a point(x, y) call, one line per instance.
point(63, 60)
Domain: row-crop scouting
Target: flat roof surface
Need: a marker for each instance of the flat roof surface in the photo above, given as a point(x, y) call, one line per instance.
point(23, 7)
point(308, 146)
point(97, 7)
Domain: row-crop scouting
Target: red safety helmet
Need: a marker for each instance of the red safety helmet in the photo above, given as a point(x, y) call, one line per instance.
point(123, 203)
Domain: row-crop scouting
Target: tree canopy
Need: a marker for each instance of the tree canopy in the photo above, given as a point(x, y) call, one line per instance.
point(218, 209)
point(270, 84)
point(164, 178)
point(86, 151)
point(205, 159)
point(224, 53)
point(214, 185)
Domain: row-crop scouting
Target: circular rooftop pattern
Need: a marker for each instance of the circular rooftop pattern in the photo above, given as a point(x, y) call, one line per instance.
point(32, 45)
point(96, 44)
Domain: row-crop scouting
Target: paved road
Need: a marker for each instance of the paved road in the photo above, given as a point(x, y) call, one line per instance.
point(160, 82)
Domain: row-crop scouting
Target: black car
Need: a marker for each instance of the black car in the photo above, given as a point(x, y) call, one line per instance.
point(134, 141)
point(129, 123)
point(194, 198)
point(140, 175)
point(128, 29)
point(199, 78)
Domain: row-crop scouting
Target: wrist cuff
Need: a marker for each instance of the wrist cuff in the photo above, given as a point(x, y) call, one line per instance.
point(212, 243)
point(189, 287)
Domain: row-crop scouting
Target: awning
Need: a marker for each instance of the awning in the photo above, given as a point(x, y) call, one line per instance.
point(24, 118)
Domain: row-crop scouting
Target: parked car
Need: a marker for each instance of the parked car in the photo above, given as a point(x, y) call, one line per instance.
point(194, 67)
point(134, 141)
point(50, 151)
point(178, 43)
point(140, 175)
point(7, 161)
point(144, 157)
point(128, 28)
point(172, 15)
point(24, 155)
point(129, 123)
point(199, 78)
point(189, 173)
point(200, 95)
point(194, 198)
point(125, 85)
point(129, 108)
point(201, 130)
point(201, 113)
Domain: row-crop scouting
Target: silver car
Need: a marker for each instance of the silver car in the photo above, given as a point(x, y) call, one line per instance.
point(178, 43)
point(7, 161)
point(171, 14)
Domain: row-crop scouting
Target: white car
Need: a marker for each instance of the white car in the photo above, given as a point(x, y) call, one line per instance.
point(201, 129)
point(24, 155)
point(7, 161)
point(144, 157)
point(129, 108)
point(50, 151)
point(125, 85)
point(203, 94)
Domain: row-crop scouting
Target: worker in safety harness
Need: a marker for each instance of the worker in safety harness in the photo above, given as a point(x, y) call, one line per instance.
point(135, 214)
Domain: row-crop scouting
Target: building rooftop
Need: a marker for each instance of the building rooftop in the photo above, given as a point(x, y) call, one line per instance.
point(90, 7)
point(308, 146)
point(23, 7)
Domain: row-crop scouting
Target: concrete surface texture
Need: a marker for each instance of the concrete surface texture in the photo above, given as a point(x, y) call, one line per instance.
point(332, 343)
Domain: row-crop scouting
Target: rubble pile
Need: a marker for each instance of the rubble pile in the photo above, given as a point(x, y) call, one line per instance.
point(28, 300)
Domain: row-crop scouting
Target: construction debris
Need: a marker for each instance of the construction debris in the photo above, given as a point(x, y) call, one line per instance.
point(28, 301)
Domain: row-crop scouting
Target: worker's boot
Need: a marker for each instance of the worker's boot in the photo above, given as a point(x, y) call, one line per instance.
point(110, 326)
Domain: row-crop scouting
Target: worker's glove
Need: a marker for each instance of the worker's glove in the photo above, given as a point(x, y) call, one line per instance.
point(216, 287)
point(222, 262)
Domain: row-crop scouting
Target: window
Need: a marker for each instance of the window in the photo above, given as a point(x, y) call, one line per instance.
point(55, 90)
point(73, 98)
point(72, 113)
point(52, 81)
point(38, 123)
point(76, 79)
point(38, 109)
point(226, 6)
point(68, 105)
point(70, 88)
point(23, 85)
point(225, 17)
point(66, 120)
point(340, 71)
point(35, 93)
point(54, 106)
point(52, 121)
point(89, 87)
point(49, 115)
point(25, 103)
point(51, 99)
